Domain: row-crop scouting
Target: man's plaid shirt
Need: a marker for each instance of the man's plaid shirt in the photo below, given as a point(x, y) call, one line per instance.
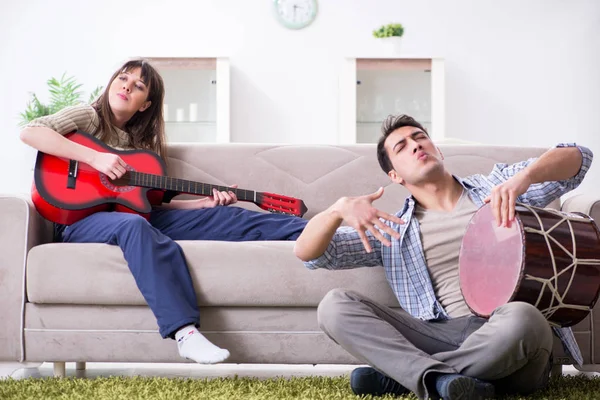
point(404, 261)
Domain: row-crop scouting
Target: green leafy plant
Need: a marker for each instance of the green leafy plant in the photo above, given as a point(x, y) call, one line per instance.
point(389, 30)
point(64, 92)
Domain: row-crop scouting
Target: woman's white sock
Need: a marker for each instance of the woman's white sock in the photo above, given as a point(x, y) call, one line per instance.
point(194, 346)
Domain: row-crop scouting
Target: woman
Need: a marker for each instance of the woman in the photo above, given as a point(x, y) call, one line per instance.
point(128, 115)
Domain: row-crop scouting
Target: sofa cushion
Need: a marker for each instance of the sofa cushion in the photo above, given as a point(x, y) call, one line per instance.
point(224, 273)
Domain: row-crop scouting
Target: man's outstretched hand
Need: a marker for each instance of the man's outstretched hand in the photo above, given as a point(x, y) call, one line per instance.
point(359, 213)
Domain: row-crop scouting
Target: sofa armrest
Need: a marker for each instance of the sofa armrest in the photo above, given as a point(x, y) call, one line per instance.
point(21, 229)
point(583, 203)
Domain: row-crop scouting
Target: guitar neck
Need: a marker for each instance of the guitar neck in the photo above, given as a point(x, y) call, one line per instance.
point(185, 186)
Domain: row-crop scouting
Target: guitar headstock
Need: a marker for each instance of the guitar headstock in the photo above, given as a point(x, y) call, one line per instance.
point(278, 203)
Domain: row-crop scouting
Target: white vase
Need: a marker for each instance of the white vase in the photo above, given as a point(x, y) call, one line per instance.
point(392, 45)
point(179, 115)
point(193, 112)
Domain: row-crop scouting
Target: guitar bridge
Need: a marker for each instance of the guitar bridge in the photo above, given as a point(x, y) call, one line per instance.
point(72, 177)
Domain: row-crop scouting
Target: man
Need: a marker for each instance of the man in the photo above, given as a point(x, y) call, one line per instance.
point(434, 346)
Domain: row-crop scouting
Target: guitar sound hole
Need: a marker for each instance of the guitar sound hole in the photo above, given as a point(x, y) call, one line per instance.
point(120, 185)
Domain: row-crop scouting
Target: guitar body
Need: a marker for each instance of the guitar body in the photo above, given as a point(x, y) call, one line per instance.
point(65, 201)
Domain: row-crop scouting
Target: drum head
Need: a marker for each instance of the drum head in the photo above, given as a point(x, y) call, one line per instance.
point(490, 262)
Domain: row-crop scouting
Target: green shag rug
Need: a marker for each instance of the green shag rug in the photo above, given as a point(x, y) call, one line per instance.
point(325, 388)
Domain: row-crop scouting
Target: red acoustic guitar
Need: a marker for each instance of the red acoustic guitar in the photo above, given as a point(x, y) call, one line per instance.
point(65, 191)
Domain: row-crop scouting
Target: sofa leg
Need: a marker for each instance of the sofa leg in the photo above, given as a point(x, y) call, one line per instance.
point(556, 371)
point(80, 369)
point(59, 369)
point(26, 369)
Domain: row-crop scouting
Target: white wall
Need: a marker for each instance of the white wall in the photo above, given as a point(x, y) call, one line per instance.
point(517, 72)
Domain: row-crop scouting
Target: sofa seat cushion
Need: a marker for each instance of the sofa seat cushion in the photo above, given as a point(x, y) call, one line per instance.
point(264, 273)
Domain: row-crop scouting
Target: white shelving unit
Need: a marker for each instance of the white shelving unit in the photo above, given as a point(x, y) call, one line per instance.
point(197, 98)
point(371, 88)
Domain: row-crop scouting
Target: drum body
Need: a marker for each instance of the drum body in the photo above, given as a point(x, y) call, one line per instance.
point(546, 258)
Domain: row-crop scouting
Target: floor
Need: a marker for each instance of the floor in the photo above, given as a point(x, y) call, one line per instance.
point(262, 371)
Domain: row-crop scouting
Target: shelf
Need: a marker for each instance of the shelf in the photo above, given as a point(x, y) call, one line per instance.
point(381, 122)
point(190, 122)
point(191, 132)
point(399, 64)
point(180, 63)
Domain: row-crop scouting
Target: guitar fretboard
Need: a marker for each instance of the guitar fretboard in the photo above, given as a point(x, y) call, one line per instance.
point(185, 186)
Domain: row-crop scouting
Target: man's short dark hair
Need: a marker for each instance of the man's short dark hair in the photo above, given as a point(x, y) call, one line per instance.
point(391, 123)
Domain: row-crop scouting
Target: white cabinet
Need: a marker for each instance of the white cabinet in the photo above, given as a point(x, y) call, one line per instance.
point(197, 92)
point(373, 88)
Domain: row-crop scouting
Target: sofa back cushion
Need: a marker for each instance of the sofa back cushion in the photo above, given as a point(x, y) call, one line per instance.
point(320, 174)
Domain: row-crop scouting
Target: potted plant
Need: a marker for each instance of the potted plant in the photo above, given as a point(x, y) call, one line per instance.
point(390, 34)
point(63, 93)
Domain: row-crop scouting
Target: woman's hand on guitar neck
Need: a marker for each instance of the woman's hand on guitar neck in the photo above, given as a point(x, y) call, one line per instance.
point(223, 198)
point(109, 164)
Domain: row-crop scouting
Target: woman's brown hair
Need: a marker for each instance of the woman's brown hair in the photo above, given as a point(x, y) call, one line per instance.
point(146, 129)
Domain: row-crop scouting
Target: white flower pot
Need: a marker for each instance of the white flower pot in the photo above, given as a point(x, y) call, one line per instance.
point(391, 45)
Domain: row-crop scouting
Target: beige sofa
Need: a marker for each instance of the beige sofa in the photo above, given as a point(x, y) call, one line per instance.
point(78, 302)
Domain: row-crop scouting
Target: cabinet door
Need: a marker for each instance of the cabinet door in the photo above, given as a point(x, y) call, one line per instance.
point(196, 105)
point(371, 89)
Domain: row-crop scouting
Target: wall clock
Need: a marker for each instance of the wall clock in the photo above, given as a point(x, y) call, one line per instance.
point(295, 14)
